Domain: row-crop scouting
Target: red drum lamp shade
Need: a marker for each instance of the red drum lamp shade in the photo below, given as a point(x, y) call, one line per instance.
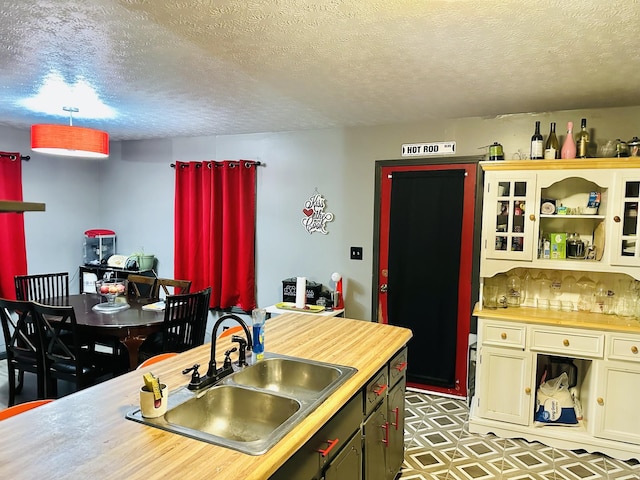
point(69, 141)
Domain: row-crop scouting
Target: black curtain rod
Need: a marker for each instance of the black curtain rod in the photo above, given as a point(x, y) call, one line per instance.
point(257, 164)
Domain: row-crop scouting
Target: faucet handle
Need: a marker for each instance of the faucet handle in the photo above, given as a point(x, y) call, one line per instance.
point(227, 360)
point(195, 376)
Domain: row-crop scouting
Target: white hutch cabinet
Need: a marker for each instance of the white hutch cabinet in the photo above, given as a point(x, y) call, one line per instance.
point(515, 343)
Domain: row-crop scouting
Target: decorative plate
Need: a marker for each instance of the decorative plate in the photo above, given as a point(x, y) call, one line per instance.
point(548, 208)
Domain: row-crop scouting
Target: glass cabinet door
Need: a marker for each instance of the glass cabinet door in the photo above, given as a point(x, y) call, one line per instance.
point(508, 215)
point(626, 224)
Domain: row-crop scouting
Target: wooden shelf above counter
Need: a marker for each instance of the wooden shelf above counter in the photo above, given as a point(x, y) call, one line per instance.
point(12, 206)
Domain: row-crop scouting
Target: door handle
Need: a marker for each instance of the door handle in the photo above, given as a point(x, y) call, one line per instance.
point(401, 366)
point(397, 412)
point(383, 288)
point(380, 390)
point(385, 426)
point(332, 443)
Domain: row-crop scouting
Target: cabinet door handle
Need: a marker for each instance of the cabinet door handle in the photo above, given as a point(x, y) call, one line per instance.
point(401, 366)
point(600, 401)
point(565, 342)
point(503, 336)
point(532, 217)
point(380, 390)
point(634, 349)
point(527, 391)
point(332, 443)
point(386, 434)
point(397, 412)
point(616, 219)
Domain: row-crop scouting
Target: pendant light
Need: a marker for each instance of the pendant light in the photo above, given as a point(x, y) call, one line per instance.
point(69, 141)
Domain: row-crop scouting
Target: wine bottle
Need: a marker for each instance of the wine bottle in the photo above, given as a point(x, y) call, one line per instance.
point(536, 144)
point(568, 146)
point(552, 147)
point(582, 140)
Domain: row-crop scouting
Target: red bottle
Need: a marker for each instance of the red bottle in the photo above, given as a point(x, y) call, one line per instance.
point(569, 146)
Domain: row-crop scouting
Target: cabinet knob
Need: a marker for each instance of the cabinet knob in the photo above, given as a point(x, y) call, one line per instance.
point(565, 342)
point(527, 391)
point(600, 401)
point(634, 349)
point(503, 336)
point(532, 217)
point(616, 219)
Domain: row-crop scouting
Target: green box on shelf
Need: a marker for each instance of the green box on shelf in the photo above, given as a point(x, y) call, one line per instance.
point(558, 245)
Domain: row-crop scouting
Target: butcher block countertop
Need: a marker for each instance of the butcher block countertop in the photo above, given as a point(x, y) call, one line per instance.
point(86, 435)
point(588, 320)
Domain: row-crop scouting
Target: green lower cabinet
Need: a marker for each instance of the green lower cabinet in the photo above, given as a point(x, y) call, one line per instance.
point(395, 416)
point(375, 443)
point(316, 457)
point(384, 434)
point(364, 440)
point(347, 465)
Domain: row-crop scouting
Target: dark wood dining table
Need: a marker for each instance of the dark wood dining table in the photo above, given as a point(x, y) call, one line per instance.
point(131, 326)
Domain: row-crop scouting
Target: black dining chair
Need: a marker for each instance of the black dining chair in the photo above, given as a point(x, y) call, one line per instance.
point(184, 325)
point(42, 286)
point(71, 358)
point(203, 316)
point(24, 345)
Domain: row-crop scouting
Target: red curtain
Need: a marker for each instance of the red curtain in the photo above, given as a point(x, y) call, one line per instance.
point(13, 251)
point(215, 204)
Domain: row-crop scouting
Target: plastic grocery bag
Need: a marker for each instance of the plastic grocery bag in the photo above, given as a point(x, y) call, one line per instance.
point(554, 403)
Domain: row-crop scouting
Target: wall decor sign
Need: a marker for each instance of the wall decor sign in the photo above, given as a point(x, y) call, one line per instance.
point(423, 149)
point(315, 218)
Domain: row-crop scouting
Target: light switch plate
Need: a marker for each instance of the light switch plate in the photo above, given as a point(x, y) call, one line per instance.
point(356, 253)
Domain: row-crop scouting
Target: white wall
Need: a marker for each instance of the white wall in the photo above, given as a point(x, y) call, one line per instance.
point(132, 192)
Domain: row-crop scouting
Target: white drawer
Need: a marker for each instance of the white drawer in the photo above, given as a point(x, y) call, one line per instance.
point(624, 348)
point(504, 334)
point(580, 343)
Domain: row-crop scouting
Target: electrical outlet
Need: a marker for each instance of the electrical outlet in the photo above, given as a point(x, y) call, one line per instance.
point(356, 253)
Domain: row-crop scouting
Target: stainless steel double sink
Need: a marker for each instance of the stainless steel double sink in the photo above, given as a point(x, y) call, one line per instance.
point(251, 409)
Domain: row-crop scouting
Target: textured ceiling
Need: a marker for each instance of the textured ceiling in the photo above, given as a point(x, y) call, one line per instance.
point(198, 67)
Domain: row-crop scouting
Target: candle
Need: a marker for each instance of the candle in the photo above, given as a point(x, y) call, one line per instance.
point(301, 292)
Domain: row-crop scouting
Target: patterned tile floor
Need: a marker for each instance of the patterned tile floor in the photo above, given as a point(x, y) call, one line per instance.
point(439, 446)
